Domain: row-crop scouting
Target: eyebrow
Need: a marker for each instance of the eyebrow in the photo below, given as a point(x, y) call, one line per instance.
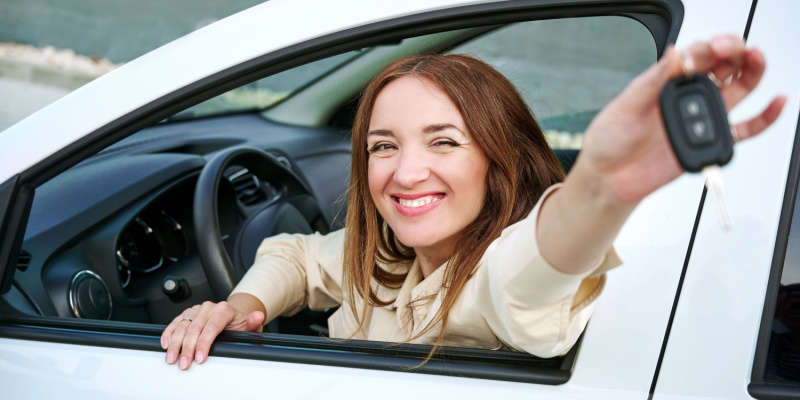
point(440, 127)
point(380, 132)
point(433, 128)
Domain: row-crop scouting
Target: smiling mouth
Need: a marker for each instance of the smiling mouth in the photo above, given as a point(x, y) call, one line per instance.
point(418, 202)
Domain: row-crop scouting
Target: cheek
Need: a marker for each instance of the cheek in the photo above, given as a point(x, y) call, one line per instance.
point(478, 170)
point(376, 178)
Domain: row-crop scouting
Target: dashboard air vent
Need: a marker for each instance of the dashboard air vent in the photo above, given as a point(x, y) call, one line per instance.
point(247, 187)
point(23, 260)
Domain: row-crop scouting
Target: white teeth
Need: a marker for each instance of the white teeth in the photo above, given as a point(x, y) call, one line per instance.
point(418, 202)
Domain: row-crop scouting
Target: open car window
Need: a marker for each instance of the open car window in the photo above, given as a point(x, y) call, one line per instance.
point(108, 239)
point(567, 69)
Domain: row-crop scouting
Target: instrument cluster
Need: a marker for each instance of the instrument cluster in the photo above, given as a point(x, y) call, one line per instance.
point(148, 242)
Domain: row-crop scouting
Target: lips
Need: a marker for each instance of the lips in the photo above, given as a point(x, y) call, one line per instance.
point(416, 204)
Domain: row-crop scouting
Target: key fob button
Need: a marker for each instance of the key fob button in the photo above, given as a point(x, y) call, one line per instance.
point(700, 131)
point(693, 106)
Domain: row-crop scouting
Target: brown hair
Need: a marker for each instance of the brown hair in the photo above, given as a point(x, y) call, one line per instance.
point(521, 167)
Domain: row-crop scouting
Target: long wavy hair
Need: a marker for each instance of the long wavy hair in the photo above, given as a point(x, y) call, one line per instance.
point(521, 167)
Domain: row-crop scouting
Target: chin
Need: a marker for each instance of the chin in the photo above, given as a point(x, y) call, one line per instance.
point(417, 239)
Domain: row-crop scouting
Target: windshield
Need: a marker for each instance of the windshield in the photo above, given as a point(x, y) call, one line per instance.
point(264, 93)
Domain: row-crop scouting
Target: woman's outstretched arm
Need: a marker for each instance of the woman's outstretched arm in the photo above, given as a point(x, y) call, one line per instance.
point(626, 154)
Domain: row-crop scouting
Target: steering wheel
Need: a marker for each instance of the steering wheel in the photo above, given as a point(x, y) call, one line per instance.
point(293, 209)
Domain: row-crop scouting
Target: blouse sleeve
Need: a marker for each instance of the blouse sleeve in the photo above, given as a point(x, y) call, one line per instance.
point(291, 272)
point(527, 303)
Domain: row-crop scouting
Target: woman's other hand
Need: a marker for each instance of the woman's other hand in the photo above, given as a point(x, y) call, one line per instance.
point(626, 144)
point(190, 335)
point(626, 154)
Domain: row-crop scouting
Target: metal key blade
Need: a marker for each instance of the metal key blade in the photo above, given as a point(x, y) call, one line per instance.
point(714, 185)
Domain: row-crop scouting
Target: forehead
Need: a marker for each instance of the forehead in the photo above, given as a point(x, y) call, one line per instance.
point(413, 101)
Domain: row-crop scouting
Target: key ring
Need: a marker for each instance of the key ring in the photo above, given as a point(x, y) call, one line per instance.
point(687, 66)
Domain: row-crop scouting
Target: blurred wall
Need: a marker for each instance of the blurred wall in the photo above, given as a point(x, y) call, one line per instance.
point(119, 30)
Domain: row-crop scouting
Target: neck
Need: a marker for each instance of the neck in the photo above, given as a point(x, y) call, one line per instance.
point(430, 261)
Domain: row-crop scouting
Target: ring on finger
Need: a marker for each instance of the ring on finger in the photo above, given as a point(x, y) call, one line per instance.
point(187, 319)
point(687, 63)
point(714, 79)
point(735, 134)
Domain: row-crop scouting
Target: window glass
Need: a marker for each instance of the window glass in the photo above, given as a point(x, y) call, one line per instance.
point(567, 69)
point(269, 91)
point(783, 356)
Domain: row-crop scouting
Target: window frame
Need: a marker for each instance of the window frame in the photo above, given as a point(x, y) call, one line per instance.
point(662, 17)
point(758, 388)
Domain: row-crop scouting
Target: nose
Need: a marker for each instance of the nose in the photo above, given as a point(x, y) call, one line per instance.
point(412, 167)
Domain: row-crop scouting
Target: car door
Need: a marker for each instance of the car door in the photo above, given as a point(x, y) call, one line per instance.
point(723, 331)
point(47, 355)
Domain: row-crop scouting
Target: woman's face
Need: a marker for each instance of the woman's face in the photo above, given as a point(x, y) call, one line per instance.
point(426, 173)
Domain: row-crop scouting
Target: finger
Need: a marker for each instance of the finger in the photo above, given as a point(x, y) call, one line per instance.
point(756, 125)
point(751, 72)
point(177, 335)
point(722, 55)
point(255, 321)
point(223, 315)
point(165, 336)
point(193, 334)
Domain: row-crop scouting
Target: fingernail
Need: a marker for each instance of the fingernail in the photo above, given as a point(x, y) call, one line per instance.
point(721, 44)
point(184, 363)
point(199, 357)
point(164, 343)
point(664, 61)
point(171, 357)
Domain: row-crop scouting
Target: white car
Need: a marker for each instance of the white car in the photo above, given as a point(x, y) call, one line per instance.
point(107, 235)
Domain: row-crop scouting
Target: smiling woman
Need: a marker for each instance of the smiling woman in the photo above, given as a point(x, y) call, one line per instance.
point(450, 128)
point(446, 156)
point(427, 187)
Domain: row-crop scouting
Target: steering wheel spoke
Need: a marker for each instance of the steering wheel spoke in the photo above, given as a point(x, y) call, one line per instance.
point(293, 209)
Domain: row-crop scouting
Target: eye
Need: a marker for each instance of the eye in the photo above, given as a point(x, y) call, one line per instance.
point(446, 143)
point(380, 146)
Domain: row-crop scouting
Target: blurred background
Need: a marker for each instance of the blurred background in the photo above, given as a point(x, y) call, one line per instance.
point(51, 47)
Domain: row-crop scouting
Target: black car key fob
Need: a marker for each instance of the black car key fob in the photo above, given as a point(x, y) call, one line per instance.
point(696, 122)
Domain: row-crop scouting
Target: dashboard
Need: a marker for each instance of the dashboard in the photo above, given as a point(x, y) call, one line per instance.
point(113, 237)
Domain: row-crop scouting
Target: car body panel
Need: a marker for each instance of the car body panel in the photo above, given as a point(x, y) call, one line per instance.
point(652, 244)
point(713, 339)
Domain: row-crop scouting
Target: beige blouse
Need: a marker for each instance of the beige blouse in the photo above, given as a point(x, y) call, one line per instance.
point(514, 301)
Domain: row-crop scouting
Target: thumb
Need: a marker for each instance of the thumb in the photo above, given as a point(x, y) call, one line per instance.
point(255, 322)
point(643, 91)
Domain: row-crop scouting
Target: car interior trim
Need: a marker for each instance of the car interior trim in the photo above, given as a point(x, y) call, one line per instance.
point(15, 205)
point(74, 293)
point(757, 387)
